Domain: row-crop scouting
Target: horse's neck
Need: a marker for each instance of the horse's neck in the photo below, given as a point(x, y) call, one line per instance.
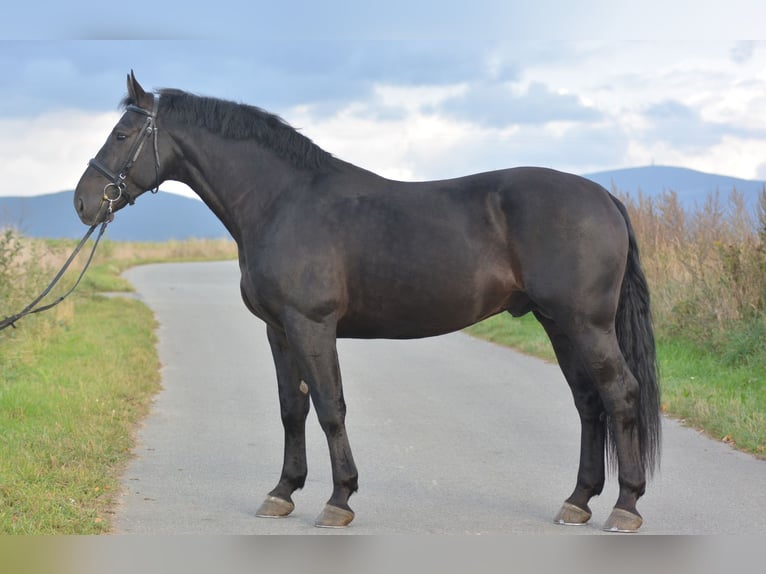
point(235, 179)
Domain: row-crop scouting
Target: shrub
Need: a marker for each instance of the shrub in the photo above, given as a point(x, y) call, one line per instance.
point(706, 267)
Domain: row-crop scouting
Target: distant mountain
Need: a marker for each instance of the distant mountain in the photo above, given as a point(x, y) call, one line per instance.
point(692, 187)
point(169, 216)
point(159, 217)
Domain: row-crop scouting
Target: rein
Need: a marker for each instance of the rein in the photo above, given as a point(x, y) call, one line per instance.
point(31, 308)
point(113, 191)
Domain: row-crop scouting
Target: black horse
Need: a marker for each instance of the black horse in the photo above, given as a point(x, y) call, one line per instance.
point(327, 250)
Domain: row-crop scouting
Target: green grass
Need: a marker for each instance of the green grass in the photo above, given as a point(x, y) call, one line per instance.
point(727, 401)
point(721, 391)
point(74, 383)
point(524, 334)
point(69, 402)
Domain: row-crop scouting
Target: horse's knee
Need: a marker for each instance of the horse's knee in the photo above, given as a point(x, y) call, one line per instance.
point(332, 422)
point(294, 412)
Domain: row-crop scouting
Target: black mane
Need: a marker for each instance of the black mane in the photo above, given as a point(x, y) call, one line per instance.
point(240, 121)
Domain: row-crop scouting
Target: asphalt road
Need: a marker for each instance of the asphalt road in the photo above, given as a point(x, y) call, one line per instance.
point(450, 435)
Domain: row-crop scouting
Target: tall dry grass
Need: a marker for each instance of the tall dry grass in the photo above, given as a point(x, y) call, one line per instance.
point(27, 265)
point(125, 252)
point(706, 266)
point(26, 268)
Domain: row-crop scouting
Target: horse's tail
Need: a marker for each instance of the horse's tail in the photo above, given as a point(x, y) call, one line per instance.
point(635, 334)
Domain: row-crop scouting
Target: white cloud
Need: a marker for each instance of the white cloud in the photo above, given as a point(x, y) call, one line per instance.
point(393, 148)
point(592, 102)
point(416, 98)
point(718, 124)
point(49, 152)
point(422, 143)
point(733, 155)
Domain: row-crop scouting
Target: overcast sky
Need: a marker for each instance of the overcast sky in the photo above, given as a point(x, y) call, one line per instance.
point(411, 90)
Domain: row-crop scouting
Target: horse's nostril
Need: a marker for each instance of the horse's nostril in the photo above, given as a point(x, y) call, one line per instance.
point(80, 205)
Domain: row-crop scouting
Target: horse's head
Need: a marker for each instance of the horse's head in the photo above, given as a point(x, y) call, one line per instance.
point(127, 165)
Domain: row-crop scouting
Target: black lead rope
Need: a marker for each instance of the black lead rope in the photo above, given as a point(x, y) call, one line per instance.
point(118, 189)
point(30, 309)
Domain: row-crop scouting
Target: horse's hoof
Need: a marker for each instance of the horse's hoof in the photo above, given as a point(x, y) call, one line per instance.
point(571, 515)
point(623, 521)
point(274, 507)
point(334, 517)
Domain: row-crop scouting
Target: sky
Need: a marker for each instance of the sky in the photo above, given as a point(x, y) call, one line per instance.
point(411, 90)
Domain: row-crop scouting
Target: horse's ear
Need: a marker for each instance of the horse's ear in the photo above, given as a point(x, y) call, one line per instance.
point(136, 93)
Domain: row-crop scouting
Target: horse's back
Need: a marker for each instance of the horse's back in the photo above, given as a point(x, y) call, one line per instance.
point(436, 256)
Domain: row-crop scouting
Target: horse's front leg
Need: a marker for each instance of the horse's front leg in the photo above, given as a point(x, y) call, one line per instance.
point(315, 349)
point(294, 406)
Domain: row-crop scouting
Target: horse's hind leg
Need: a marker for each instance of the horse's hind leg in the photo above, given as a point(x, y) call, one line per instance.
point(591, 474)
point(620, 395)
point(294, 406)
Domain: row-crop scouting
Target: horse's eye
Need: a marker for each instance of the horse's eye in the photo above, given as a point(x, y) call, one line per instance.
point(121, 137)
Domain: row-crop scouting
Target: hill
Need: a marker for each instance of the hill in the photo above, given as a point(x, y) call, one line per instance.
point(692, 187)
point(169, 216)
point(160, 217)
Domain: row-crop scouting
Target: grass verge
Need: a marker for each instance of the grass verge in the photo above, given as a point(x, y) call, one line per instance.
point(69, 404)
point(74, 382)
point(719, 392)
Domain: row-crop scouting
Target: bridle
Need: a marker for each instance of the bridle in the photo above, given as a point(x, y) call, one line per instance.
point(113, 191)
point(116, 188)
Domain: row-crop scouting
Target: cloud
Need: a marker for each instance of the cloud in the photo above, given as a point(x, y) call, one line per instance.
point(277, 73)
point(742, 52)
point(420, 141)
point(683, 127)
point(499, 104)
point(421, 109)
point(400, 20)
point(49, 152)
point(675, 123)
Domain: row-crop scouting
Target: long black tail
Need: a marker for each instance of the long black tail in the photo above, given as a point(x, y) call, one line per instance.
point(635, 334)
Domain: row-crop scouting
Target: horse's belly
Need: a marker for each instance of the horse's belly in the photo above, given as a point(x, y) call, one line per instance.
point(392, 329)
point(425, 314)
